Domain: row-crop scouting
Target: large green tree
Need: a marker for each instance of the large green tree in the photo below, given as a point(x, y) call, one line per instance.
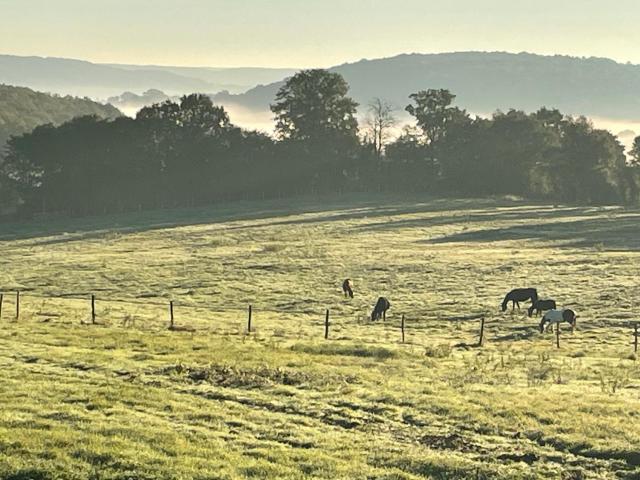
point(313, 106)
point(435, 114)
point(195, 112)
point(591, 164)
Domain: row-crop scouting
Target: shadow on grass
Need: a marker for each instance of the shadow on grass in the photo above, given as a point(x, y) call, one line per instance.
point(527, 332)
point(490, 213)
point(348, 207)
point(610, 228)
point(607, 227)
point(622, 232)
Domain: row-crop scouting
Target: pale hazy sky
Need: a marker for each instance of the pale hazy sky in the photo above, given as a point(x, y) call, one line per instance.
point(303, 33)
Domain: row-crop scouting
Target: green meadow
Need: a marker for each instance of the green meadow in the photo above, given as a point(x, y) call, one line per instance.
point(128, 398)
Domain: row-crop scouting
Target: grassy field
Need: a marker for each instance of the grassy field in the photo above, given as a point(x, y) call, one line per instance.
point(129, 399)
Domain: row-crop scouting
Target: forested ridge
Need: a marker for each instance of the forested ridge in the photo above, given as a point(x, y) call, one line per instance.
point(24, 109)
point(189, 153)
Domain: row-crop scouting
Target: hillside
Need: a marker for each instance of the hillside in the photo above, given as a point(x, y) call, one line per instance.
point(99, 81)
point(485, 82)
point(235, 80)
point(22, 109)
point(129, 398)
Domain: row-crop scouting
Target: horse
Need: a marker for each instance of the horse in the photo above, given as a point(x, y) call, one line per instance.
point(347, 288)
point(559, 316)
point(541, 306)
point(519, 295)
point(380, 310)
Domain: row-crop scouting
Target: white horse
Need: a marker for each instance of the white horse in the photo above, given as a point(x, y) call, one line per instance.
point(558, 316)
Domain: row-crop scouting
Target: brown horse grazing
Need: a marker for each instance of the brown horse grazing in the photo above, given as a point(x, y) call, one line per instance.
point(542, 306)
point(380, 310)
point(518, 295)
point(347, 288)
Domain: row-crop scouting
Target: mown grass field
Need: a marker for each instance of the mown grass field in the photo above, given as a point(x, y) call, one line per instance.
point(127, 398)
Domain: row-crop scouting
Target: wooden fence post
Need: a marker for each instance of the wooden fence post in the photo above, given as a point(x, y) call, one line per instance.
point(249, 322)
point(326, 325)
point(171, 315)
point(17, 304)
point(1, 298)
point(402, 327)
point(635, 334)
point(558, 335)
point(481, 332)
point(93, 309)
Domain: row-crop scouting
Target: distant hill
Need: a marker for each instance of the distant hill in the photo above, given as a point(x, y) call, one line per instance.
point(484, 82)
point(235, 80)
point(99, 81)
point(22, 109)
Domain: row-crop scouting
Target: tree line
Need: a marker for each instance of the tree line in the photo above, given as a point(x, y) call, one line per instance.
point(188, 152)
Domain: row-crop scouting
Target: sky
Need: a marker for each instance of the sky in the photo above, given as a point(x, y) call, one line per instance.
point(312, 33)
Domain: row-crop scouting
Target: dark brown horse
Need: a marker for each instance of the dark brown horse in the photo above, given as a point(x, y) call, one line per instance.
point(518, 295)
point(542, 306)
point(347, 288)
point(380, 310)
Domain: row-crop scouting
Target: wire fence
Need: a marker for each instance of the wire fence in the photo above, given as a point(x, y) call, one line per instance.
point(254, 319)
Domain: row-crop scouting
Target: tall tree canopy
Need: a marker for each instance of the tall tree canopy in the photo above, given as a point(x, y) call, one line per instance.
point(313, 106)
point(435, 114)
point(195, 112)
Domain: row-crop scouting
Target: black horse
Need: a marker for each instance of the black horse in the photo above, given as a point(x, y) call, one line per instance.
point(380, 310)
point(519, 295)
point(542, 306)
point(347, 288)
